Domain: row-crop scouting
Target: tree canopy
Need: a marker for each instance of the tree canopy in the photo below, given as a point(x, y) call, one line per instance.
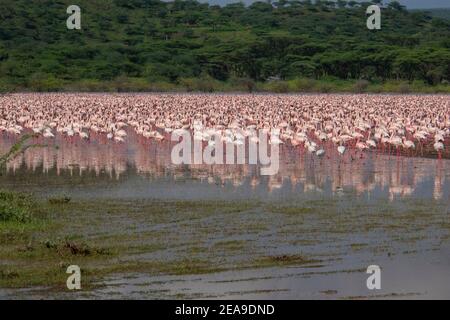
point(154, 40)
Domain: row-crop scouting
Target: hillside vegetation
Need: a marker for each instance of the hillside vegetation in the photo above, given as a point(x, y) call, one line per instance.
point(442, 13)
point(285, 46)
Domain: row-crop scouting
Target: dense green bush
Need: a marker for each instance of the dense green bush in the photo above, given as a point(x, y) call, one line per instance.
point(15, 206)
point(277, 86)
point(302, 85)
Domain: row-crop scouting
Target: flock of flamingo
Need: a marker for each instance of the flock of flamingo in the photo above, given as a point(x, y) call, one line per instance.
point(317, 124)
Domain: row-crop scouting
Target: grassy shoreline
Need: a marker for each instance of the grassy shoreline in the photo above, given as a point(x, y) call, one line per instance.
point(207, 84)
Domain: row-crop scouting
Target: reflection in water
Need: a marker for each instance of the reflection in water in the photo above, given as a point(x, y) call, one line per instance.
point(299, 172)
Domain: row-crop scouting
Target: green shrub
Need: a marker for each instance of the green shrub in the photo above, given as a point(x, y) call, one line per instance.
point(242, 84)
point(90, 85)
point(361, 86)
point(15, 206)
point(43, 82)
point(277, 86)
point(302, 85)
point(404, 88)
point(325, 88)
point(376, 88)
point(161, 86)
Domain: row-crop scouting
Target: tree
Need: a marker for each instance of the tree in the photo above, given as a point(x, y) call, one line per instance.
point(395, 5)
point(341, 3)
point(167, 41)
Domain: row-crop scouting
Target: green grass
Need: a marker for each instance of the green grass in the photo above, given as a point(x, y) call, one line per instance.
point(16, 207)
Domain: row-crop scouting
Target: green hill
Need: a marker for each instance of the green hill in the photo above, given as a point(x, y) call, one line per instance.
point(149, 44)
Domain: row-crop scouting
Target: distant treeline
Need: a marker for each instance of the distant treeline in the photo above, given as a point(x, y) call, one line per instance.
point(443, 13)
point(144, 45)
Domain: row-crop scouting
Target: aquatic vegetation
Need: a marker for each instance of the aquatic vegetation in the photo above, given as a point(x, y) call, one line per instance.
point(67, 247)
point(292, 210)
point(8, 274)
point(59, 200)
point(285, 260)
point(230, 245)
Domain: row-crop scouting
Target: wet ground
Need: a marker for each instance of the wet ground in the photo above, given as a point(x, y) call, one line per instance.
point(310, 231)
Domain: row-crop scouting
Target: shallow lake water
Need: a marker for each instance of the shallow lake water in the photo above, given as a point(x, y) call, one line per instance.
point(363, 209)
